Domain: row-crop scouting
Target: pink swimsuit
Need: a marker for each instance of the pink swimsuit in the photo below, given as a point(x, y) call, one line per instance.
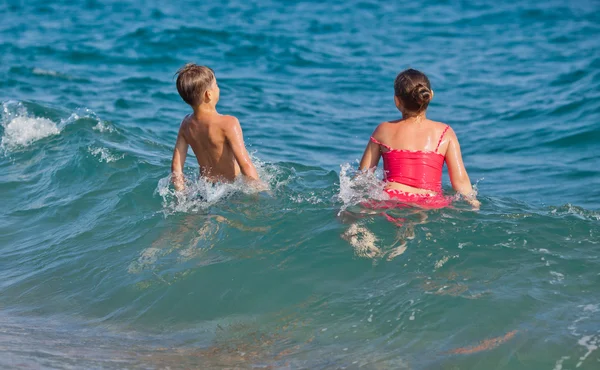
point(416, 168)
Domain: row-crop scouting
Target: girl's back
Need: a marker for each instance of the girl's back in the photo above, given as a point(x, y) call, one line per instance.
point(414, 148)
point(413, 135)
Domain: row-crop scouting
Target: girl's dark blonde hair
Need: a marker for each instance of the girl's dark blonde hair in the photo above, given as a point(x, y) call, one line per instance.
point(193, 81)
point(413, 89)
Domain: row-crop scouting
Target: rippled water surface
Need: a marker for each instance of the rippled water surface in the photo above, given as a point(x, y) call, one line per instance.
point(103, 266)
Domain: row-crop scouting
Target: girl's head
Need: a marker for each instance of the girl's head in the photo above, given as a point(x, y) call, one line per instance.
point(412, 92)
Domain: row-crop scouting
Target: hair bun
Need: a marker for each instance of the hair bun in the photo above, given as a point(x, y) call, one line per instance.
point(413, 89)
point(422, 94)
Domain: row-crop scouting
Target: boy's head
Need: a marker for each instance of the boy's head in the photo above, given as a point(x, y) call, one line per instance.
point(197, 84)
point(413, 91)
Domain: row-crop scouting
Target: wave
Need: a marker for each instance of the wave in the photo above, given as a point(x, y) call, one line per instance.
point(20, 128)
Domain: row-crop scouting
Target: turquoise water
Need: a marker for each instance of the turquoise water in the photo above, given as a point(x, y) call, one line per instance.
point(102, 266)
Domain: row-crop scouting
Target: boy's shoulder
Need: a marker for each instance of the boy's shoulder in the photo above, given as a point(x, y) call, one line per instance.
point(228, 122)
point(228, 119)
point(222, 120)
point(188, 120)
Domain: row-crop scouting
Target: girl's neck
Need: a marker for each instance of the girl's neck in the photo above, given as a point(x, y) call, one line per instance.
point(413, 117)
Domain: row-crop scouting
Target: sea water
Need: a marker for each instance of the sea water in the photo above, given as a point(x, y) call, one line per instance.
point(103, 265)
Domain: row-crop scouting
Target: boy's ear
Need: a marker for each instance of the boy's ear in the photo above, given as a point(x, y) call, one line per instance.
point(431, 94)
point(207, 95)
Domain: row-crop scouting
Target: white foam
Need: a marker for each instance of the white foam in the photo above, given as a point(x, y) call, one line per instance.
point(590, 342)
point(310, 198)
point(569, 209)
point(20, 129)
point(357, 187)
point(443, 261)
point(200, 194)
point(83, 113)
point(104, 155)
point(103, 127)
point(591, 308)
point(558, 277)
point(559, 363)
point(47, 72)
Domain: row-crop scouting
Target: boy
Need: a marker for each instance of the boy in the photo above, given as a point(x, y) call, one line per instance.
point(216, 140)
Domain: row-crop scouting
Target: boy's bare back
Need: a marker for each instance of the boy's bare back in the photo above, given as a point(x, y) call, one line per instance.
point(208, 137)
point(217, 140)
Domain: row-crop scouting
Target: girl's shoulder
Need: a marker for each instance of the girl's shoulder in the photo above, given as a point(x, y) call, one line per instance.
point(384, 128)
point(388, 125)
point(442, 128)
point(437, 124)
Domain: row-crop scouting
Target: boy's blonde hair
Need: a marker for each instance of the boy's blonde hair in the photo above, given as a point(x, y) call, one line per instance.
point(193, 81)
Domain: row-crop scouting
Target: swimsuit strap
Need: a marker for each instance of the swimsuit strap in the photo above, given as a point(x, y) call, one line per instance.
point(441, 137)
point(380, 143)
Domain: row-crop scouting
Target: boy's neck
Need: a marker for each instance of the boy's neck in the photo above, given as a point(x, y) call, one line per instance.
point(204, 109)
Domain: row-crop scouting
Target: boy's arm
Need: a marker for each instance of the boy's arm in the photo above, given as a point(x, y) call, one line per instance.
point(179, 154)
point(233, 133)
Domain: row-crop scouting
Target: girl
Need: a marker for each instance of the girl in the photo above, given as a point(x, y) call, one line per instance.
point(414, 149)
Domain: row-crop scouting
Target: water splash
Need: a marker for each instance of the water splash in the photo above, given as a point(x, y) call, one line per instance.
point(357, 186)
point(198, 194)
point(22, 129)
point(201, 194)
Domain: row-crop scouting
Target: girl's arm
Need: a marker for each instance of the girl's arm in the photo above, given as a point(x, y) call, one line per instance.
point(457, 171)
point(370, 158)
